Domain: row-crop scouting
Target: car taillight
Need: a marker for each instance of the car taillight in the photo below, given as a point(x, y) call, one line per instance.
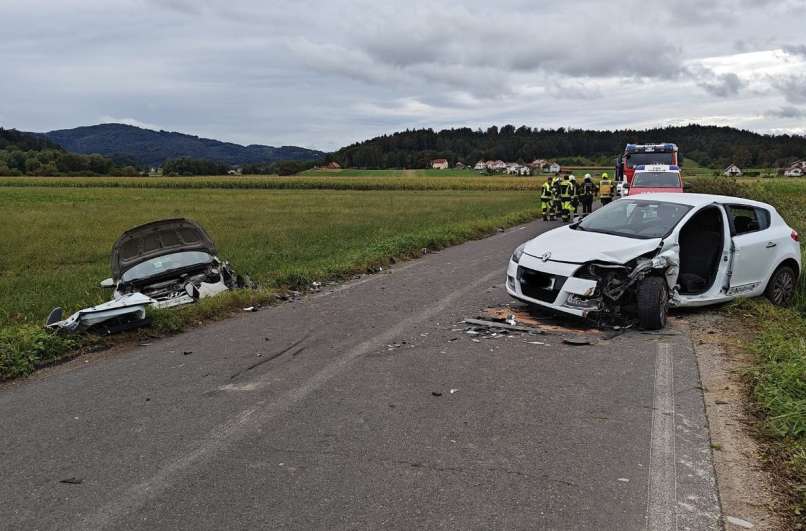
point(795, 235)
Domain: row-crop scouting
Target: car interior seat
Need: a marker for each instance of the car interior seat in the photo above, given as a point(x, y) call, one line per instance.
point(701, 243)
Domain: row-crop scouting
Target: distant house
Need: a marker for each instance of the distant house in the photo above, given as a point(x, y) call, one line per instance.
point(496, 165)
point(796, 169)
point(439, 164)
point(793, 172)
point(524, 171)
point(553, 167)
point(332, 165)
point(732, 171)
point(460, 165)
point(480, 166)
point(155, 172)
point(234, 171)
point(538, 164)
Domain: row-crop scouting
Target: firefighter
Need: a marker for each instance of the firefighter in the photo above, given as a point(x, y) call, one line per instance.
point(545, 199)
point(606, 189)
point(588, 192)
point(556, 202)
point(575, 197)
point(566, 198)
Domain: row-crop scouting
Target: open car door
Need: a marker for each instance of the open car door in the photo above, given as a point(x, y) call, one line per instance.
point(753, 249)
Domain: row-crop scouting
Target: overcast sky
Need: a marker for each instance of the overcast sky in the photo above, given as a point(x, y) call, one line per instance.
point(324, 74)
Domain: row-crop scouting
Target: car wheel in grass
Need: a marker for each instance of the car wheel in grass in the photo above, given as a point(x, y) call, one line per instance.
point(781, 287)
point(653, 303)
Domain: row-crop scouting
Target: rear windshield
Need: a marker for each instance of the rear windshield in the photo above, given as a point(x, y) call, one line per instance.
point(636, 159)
point(656, 179)
point(635, 218)
point(163, 264)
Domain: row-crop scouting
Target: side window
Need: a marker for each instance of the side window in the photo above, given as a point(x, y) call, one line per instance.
point(746, 218)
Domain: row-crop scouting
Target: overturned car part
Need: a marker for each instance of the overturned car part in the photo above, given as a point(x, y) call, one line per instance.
point(162, 264)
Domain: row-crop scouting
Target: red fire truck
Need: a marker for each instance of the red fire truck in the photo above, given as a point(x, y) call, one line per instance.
point(643, 154)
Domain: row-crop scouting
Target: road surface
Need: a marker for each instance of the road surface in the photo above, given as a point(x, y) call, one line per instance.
point(303, 416)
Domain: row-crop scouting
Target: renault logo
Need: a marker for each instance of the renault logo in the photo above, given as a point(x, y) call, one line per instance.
point(545, 256)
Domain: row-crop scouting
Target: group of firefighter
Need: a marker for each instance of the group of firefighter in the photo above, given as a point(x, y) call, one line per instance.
point(560, 198)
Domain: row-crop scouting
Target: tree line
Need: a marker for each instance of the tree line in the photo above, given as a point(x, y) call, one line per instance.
point(710, 146)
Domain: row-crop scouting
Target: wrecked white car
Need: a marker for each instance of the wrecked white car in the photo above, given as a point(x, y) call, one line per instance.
point(161, 264)
point(636, 257)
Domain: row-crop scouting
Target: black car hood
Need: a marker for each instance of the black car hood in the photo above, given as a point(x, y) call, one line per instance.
point(155, 239)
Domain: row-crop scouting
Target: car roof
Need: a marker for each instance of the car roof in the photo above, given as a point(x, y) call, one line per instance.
point(697, 200)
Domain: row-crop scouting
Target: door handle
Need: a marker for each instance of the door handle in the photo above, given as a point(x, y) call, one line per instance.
point(770, 245)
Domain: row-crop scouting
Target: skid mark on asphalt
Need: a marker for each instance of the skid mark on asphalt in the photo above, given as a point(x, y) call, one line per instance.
point(254, 418)
point(662, 492)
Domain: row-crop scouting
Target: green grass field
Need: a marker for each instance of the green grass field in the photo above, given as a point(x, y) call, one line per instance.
point(56, 242)
point(778, 376)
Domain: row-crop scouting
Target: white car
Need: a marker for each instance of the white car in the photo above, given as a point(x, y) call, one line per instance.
point(638, 256)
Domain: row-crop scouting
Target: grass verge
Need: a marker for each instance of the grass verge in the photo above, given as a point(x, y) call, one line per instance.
point(62, 238)
point(777, 379)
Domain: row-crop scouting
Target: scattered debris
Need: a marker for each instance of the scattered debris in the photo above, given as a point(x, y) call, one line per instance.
point(578, 340)
point(483, 323)
point(250, 309)
point(187, 352)
point(436, 393)
point(738, 522)
point(454, 390)
point(623, 480)
point(72, 481)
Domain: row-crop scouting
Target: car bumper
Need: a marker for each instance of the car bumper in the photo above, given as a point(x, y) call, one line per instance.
point(551, 285)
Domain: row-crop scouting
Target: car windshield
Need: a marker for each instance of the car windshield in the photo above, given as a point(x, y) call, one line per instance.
point(656, 179)
point(163, 264)
point(636, 159)
point(635, 218)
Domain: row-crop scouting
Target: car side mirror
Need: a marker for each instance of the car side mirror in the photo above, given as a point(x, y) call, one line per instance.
point(107, 283)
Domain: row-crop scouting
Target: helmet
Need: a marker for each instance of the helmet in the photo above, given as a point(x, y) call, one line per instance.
point(604, 175)
point(573, 177)
point(587, 176)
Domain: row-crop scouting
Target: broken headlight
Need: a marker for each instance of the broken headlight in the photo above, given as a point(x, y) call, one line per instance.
point(516, 255)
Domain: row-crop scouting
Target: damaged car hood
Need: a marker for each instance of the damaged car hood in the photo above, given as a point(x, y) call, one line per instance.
point(156, 239)
point(575, 246)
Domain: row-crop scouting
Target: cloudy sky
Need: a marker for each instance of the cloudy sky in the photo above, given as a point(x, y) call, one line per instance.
point(326, 73)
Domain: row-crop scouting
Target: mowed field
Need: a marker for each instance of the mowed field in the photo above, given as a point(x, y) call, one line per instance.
point(56, 239)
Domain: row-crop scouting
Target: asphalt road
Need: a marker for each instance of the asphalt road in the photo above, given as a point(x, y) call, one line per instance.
point(301, 416)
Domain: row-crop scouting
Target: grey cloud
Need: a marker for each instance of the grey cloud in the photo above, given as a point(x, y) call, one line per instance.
point(785, 112)
point(719, 85)
point(795, 49)
point(793, 88)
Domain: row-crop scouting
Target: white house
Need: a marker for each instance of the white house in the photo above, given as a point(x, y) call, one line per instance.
point(795, 171)
point(480, 166)
point(524, 171)
point(732, 171)
point(553, 167)
point(439, 164)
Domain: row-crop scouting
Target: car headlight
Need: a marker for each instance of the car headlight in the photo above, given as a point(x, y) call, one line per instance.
point(516, 256)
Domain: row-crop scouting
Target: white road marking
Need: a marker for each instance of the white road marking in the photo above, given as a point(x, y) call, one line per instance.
point(251, 419)
point(662, 492)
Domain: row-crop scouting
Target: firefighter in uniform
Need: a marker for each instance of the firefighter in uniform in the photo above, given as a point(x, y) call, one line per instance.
point(545, 199)
point(588, 192)
point(566, 198)
point(606, 189)
point(575, 198)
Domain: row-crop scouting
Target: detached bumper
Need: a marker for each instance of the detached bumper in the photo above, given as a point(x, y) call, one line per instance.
point(552, 285)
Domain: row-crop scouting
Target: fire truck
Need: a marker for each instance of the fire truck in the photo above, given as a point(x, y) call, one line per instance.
point(643, 154)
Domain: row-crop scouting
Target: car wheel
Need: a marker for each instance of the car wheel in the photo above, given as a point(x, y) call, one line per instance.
point(781, 287)
point(653, 302)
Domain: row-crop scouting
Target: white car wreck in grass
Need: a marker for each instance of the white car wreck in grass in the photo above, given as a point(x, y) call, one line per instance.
point(160, 264)
point(638, 256)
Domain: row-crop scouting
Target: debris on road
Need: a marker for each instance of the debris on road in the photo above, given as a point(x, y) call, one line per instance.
point(436, 393)
point(484, 323)
point(454, 390)
point(250, 309)
point(72, 481)
point(578, 340)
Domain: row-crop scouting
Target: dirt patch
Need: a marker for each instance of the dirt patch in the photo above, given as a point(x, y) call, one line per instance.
point(747, 491)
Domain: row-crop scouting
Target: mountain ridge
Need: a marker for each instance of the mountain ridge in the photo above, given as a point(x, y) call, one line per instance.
point(148, 147)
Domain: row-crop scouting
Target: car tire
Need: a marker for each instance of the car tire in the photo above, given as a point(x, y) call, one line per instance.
point(653, 303)
point(782, 285)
